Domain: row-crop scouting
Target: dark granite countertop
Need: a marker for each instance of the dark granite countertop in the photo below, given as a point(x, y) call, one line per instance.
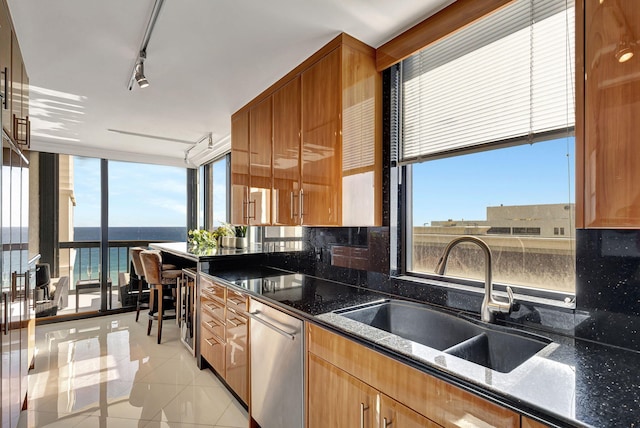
point(570, 382)
point(181, 249)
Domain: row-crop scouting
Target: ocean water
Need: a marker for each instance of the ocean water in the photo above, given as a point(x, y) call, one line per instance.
point(87, 260)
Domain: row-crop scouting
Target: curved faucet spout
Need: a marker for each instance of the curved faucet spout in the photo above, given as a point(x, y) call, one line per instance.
point(490, 306)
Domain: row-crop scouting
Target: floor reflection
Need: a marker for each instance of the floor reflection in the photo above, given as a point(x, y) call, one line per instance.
point(107, 372)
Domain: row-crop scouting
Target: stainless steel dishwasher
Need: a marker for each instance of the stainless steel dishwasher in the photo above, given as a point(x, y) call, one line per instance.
point(277, 367)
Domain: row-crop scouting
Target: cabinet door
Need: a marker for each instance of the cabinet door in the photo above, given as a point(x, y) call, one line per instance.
point(16, 78)
point(212, 349)
point(321, 151)
point(237, 364)
point(286, 154)
point(5, 364)
point(361, 140)
point(260, 144)
point(394, 414)
point(5, 64)
point(239, 166)
point(612, 91)
point(530, 423)
point(337, 399)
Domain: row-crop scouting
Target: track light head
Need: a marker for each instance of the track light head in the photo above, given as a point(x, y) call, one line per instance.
point(139, 76)
point(624, 51)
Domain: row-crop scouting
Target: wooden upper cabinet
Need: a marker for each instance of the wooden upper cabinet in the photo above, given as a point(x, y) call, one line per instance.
point(611, 111)
point(16, 78)
point(286, 154)
point(5, 66)
point(321, 151)
point(361, 138)
point(260, 144)
point(25, 93)
point(239, 167)
point(326, 130)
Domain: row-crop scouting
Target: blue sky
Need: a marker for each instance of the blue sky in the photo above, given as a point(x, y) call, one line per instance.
point(461, 187)
point(139, 194)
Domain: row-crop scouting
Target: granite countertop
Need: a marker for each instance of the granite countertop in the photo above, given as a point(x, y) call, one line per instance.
point(181, 249)
point(569, 382)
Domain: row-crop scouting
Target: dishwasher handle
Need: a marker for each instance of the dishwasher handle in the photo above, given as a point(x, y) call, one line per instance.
point(254, 316)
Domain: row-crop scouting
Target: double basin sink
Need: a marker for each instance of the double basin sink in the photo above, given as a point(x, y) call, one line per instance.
point(497, 348)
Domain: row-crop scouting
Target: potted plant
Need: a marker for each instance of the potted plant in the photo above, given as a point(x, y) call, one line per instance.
point(225, 234)
point(202, 239)
point(241, 236)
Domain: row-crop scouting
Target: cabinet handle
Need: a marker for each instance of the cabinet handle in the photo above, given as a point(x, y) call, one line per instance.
point(210, 343)
point(291, 209)
point(385, 423)
point(301, 205)
point(4, 101)
point(233, 323)
point(6, 313)
point(252, 217)
point(209, 323)
point(363, 407)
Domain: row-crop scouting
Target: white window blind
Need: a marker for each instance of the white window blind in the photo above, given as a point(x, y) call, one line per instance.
point(506, 77)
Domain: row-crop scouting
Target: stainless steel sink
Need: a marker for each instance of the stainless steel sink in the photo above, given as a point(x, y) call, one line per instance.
point(498, 348)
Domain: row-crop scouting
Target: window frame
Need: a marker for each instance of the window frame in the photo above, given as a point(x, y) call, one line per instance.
point(402, 209)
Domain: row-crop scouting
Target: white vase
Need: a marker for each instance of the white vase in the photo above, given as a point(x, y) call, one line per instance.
point(241, 242)
point(228, 241)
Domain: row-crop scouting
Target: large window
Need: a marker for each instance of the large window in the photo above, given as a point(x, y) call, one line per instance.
point(485, 135)
point(220, 193)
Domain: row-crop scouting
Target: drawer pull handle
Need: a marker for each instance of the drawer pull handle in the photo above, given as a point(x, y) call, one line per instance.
point(212, 341)
point(211, 323)
point(385, 423)
point(233, 323)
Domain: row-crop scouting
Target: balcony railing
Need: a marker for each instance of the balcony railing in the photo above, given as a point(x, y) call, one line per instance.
point(81, 262)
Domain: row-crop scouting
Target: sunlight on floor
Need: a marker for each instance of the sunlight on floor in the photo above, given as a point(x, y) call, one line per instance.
point(107, 372)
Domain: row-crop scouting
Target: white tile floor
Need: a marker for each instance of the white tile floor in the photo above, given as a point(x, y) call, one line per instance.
point(106, 372)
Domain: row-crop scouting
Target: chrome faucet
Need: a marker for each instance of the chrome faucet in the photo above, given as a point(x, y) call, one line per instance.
point(490, 306)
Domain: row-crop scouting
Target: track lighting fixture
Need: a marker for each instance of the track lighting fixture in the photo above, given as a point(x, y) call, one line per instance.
point(139, 75)
point(624, 50)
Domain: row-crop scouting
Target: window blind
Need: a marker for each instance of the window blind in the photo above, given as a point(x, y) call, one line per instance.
point(507, 77)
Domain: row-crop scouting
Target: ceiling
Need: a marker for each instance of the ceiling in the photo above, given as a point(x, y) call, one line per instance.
point(205, 60)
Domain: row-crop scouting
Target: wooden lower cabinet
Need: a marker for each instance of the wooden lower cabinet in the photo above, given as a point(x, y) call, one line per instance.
point(435, 400)
point(530, 423)
point(224, 333)
point(337, 399)
point(212, 349)
point(394, 414)
point(237, 354)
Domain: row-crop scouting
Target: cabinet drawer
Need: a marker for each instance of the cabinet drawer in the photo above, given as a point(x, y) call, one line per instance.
point(212, 289)
point(212, 349)
point(236, 301)
point(237, 361)
point(213, 308)
point(212, 324)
